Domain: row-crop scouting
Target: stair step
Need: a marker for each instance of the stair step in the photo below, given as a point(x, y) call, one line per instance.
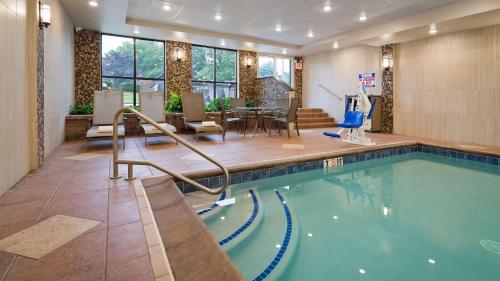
point(311, 110)
point(315, 120)
point(317, 125)
point(311, 114)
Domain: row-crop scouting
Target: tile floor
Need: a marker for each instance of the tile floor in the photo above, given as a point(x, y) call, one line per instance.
point(79, 186)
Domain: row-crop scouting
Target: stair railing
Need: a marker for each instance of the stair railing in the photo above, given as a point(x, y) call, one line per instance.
point(329, 91)
point(131, 163)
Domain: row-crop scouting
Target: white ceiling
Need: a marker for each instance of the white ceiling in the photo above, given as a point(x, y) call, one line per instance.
point(258, 18)
point(245, 21)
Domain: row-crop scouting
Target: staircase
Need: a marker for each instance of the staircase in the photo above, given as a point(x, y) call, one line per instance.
point(314, 118)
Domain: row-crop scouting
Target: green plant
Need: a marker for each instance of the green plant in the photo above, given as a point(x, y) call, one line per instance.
point(215, 104)
point(81, 109)
point(249, 104)
point(174, 102)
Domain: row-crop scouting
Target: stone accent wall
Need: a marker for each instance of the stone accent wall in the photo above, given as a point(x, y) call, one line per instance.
point(387, 91)
point(87, 65)
point(269, 89)
point(179, 73)
point(298, 79)
point(248, 76)
point(40, 98)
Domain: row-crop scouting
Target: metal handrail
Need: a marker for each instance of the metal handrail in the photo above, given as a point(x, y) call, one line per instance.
point(329, 91)
point(130, 163)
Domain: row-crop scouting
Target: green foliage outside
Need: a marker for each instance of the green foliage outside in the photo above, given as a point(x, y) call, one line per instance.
point(174, 102)
point(81, 109)
point(215, 104)
point(204, 60)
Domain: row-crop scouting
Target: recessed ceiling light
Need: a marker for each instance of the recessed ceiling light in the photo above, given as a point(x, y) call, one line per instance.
point(136, 31)
point(433, 31)
point(310, 34)
point(93, 3)
point(327, 8)
point(218, 17)
point(335, 46)
point(278, 28)
point(166, 7)
point(363, 17)
point(284, 52)
point(222, 43)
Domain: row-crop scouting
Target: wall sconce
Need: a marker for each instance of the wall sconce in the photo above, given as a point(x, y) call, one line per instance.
point(248, 62)
point(44, 15)
point(179, 54)
point(387, 62)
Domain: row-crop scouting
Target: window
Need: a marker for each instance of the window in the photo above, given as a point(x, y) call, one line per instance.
point(214, 72)
point(132, 65)
point(277, 67)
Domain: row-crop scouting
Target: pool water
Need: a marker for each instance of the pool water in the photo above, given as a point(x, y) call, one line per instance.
point(408, 217)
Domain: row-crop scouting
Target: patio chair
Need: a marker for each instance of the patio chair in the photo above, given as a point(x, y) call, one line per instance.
point(233, 116)
point(291, 117)
point(193, 109)
point(152, 105)
point(106, 104)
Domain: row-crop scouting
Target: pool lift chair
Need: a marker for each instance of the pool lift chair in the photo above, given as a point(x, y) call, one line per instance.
point(356, 119)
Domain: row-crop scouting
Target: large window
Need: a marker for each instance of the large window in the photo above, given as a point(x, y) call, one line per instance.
point(277, 67)
point(132, 65)
point(214, 72)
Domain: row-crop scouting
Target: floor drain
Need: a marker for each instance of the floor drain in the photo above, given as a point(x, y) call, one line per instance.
point(490, 245)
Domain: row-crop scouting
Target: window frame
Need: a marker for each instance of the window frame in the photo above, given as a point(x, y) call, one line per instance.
point(274, 57)
point(215, 82)
point(134, 78)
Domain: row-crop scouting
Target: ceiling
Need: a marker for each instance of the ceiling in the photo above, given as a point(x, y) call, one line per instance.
point(250, 24)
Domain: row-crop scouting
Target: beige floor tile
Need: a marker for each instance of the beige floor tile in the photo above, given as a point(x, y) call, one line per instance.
point(85, 156)
point(46, 236)
point(292, 146)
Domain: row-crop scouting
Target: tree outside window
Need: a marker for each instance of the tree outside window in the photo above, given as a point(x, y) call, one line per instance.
point(275, 67)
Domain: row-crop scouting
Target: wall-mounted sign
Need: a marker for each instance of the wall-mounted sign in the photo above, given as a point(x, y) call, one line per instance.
point(298, 65)
point(367, 80)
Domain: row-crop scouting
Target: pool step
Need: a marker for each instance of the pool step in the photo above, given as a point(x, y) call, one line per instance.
point(308, 118)
point(204, 203)
point(267, 251)
point(234, 223)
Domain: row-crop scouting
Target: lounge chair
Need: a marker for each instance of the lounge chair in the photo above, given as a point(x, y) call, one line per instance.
point(152, 105)
point(193, 109)
point(291, 117)
point(106, 104)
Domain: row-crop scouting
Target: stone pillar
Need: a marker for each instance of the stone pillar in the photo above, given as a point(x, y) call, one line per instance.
point(387, 90)
point(248, 75)
point(87, 65)
point(179, 72)
point(298, 78)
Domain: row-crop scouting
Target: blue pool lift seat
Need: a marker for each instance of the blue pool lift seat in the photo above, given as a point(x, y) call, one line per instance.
point(352, 120)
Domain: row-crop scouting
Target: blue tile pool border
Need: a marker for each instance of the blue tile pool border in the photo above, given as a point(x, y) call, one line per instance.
point(249, 222)
point(281, 170)
point(284, 245)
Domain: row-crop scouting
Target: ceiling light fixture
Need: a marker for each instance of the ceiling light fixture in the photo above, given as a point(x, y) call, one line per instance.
point(335, 45)
point(363, 17)
point(93, 3)
point(284, 52)
point(310, 34)
point(166, 7)
point(218, 17)
point(278, 28)
point(222, 42)
point(136, 31)
point(433, 29)
point(327, 8)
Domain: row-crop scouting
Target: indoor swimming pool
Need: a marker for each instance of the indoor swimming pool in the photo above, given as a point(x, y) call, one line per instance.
point(415, 216)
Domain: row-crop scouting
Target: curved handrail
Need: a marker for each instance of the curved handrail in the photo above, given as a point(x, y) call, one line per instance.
point(116, 161)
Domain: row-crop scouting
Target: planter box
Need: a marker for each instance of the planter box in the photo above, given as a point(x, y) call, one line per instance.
point(76, 126)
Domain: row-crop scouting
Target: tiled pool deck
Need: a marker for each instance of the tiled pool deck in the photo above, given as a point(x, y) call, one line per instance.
point(117, 249)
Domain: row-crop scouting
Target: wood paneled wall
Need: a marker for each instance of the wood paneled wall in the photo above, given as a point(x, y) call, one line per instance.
point(448, 87)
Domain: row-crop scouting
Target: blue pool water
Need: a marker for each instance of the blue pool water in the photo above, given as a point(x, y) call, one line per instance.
point(409, 217)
